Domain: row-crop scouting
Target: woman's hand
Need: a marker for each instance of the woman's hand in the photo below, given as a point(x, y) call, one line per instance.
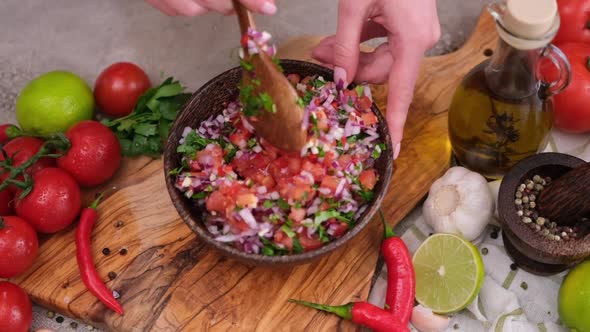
point(411, 27)
point(200, 7)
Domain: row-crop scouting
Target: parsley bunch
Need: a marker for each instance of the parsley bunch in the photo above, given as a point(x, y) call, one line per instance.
point(144, 131)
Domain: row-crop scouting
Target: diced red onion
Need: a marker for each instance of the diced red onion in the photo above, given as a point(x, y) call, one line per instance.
point(248, 218)
point(324, 191)
point(340, 187)
point(261, 190)
point(367, 92)
point(305, 121)
point(227, 238)
point(247, 124)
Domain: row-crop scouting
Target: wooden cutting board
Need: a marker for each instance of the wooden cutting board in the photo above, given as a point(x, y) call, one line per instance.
point(170, 281)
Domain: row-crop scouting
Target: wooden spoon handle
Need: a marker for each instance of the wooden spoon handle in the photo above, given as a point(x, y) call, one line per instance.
point(244, 17)
point(566, 200)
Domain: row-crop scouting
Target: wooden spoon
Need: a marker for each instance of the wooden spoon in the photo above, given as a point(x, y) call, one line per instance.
point(283, 127)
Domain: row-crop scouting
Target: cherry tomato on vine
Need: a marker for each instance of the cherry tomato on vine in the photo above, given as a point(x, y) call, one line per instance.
point(16, 312)
point(18, 246)
point(118, 88)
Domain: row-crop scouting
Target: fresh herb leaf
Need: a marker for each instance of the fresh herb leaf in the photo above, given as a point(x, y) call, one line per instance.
point(330, 214)
point(301, 103)
point(297, 248)
point(230, 150)
point(252, 142)
point(146, 129)
point(360, 90)
point(307, 97)
point(366, 195)
point(193, 142)
point(246, 65)
point(268, 251)
point(283, 204)
point(200, 195)
point(177, 170)
point(317, 83)
point(266, 102)
point(285, 228)
point(272, 249)
point(378, 150)
point(323, 234)
point(268, 204)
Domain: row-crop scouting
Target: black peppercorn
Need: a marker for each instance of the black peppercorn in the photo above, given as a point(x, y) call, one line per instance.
point(112, 275)
point(513, 267)
point(494, 234)
point(59, 319)
point(123, 251)
point(106, 251)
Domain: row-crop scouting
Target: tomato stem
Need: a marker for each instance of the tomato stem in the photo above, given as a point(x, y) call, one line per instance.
point(588, 25)
point(58, 142)
point(2, 225)
point(94, 203)
point(387, 230)
point(588, 63)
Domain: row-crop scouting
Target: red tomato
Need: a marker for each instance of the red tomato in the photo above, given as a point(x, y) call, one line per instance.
point(364, 103)
point(6, 203)
point(216, 201)
point(331, 183)
point(572, 106)
point(308, 243)
point(16, 312)
point(18, 246)
point(369, 118)
point(322, 120)
point(22, 149)
point(575, 16)
point(95, 154)
point(210, 157)
point(7, 132)
point(281, 238)
point(368, 179)
point(54, 202)
point(118, 88)
point(297, 215)
point(339, 228)
point(294, 78)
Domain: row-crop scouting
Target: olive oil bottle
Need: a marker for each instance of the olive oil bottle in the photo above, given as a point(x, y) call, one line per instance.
point(502, 111)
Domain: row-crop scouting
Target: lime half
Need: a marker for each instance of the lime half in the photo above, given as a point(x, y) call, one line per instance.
point(449, 273)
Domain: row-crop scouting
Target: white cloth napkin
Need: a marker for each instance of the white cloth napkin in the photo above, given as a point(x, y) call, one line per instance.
point(510, 300)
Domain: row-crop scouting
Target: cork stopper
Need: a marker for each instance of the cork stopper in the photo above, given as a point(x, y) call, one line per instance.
point(527, 24)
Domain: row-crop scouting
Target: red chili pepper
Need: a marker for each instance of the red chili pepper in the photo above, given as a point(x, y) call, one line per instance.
point(401, 282)
point(362, 313)
point(88, 272)
point(7, 132)
point(244, 40)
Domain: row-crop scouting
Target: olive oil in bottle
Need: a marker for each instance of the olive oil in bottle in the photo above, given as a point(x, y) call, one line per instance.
point(502, 111)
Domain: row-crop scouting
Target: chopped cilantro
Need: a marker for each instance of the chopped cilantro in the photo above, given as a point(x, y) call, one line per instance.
point(266, 101)
point(297, 205)
point(317, 83)
point(177, 170)
point(246, 65)
point(200, 195)
point(283, 204)
point(300, 103)
point(252, 142)
point(360, 90)
point(274, 218)
point(321, 152)
point(308, 97)
point(325, 215)
point(230, 150)
point(323, 234)
point(297, 248)
point(366, 195)
point(268, 204)
point(193, 142)
point(378, 150)
point(285, 228)
point(272, 249)
point(352, 139)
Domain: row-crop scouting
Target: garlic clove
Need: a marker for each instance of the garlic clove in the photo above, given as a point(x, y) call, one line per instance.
point(425, 320)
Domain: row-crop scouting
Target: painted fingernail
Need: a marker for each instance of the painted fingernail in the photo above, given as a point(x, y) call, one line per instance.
point(396, 151)
point(340, 77)
point(268, 8)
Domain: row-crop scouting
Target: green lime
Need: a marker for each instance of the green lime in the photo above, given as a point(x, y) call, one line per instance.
point(574, 298)
point(449, 273)
point(53, 102)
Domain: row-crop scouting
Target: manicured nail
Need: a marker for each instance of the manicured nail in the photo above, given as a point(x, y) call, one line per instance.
point(268, 8)
point(396, 151)
point(340, 77)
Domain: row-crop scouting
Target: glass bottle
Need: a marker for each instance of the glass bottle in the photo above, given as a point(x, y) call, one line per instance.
point(502, 111)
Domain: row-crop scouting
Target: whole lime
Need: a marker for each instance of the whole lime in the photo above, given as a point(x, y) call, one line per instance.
point(574, 298)
point(53, 102)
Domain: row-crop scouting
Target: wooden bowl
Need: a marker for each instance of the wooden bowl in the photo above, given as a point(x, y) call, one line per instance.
point(209, 100)
point(532, 251)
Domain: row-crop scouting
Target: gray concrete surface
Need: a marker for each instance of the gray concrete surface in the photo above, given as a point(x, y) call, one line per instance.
point(84, 36)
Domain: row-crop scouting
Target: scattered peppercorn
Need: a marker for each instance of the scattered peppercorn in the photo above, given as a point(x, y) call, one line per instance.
point(112, 275)
point(513, 267)
point(119, 224)
point(50, 314)
point(494, 235)
point(74, 325)
point(123, 251)
point(484, 251)
point(456, 326)
point(59, 319)
point(106, 251)
point(524, 285)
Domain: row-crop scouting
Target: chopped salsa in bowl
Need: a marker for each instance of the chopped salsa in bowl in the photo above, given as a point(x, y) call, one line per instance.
point(262, 200)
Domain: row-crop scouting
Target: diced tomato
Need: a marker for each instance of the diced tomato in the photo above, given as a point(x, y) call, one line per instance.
point(306, 80)
point(322, 120)
point(339, 228)
point(324, 206)
point(309, 244)
point(335, 105)
point(211, 156)
point(351, 93)
point(368, 179)
point(297, 215)
point(272, 151)
point(330, 182)
point(236, 225)
point(246, 200)
point(369, 118)
point(282, 238)
point(262, 178)
point(329, 158)
point(240, 138)
point(216, 201)
point(233, 189)
point(316, 170)
point(194, 165)
point(344, 160)
point(364, 103)
point(294, 78)
point(285, 166)
point(302, 193)
point(260, 161)
point(294, 165)
point(316, 101)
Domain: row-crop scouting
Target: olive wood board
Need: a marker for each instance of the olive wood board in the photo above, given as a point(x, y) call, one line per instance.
point(170, 281)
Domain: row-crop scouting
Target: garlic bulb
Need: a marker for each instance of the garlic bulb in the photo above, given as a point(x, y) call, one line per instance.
point(460, 202)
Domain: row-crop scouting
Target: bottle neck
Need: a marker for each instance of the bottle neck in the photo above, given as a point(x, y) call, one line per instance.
point(512, 73)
